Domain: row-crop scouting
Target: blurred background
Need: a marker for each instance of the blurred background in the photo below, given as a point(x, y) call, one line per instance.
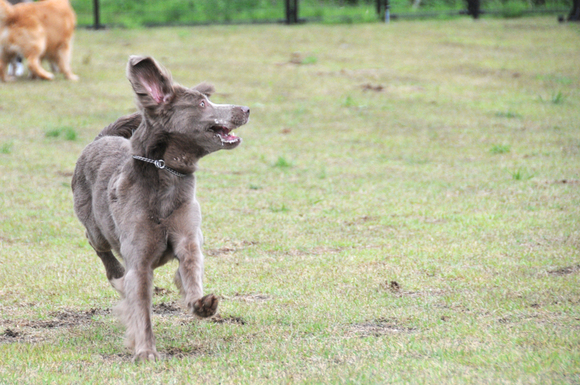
point(134, 13)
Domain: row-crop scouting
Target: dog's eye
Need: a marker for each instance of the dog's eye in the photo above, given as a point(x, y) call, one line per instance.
point(202, 104)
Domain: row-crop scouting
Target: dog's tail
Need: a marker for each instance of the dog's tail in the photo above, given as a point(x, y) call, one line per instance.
point(6, 10)
point(124, 126)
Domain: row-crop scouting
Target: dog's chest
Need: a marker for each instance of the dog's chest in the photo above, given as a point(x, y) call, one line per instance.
point(156, 205)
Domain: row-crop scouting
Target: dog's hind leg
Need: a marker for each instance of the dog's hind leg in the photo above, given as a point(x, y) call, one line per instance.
point(134, 309)
point(63, 63)
point(36, 69)
point(135, 312)
point(114, 270)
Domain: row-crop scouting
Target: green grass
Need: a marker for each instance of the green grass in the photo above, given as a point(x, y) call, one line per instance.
point(385, 160)
point(521, 174)
point(6, 148)
point(508, 114)
point(500, 149)
point(283, 163)
point(67, 133)
point(558, 97)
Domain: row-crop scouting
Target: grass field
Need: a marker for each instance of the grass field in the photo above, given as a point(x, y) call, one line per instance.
point(404, 209)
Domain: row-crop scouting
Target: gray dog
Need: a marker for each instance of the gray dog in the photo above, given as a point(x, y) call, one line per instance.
point(134, 191)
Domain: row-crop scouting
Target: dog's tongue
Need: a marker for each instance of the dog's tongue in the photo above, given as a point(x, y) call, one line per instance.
point(226, 135)
point(229, 136)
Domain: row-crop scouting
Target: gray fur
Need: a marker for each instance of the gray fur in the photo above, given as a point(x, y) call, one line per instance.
point(146, 215)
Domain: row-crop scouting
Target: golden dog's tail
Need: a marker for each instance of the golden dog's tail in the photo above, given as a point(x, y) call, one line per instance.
point(6, 10)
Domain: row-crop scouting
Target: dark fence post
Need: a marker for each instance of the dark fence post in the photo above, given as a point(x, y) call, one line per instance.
point(575, 12)
point(96, 11)
point(473, 8)
point(291, 11)
point(383, 10)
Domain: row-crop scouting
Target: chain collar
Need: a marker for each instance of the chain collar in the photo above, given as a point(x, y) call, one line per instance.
point(160, 164)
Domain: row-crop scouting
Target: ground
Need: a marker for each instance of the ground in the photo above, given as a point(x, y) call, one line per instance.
point(404, 208)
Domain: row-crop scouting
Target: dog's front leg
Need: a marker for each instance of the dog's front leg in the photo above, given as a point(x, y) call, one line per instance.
point(189, 279)
point(135, 311)
point(4, 75)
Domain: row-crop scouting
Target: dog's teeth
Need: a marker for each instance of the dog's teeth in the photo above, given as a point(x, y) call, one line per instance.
point(228, 141)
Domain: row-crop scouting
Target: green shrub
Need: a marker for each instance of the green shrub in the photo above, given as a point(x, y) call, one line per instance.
point(514, 9)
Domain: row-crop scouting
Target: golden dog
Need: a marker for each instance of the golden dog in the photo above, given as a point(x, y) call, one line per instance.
point(37, 31)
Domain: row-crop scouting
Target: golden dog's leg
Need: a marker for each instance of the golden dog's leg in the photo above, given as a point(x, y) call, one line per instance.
point(4, 61)
point(3, 71)
point(35, 68)
point(63, 62)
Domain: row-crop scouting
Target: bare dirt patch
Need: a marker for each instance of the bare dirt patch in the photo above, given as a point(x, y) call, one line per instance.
point(66, 318)
point(567, 181)
point(221, 251)
point(38, 330)
point(167, 308)
point(10, 333)
point(396, 288)
point(298, 58)
point(178, 352)
point(11, 336)
point(161, 291)
point(370, 87)
point(249, 297)
point(218, 319)
point(566, 270)
point(230, 248)
point(183, 352)
point(117, 358)
point(361, 220)
point(392, 286)
point(7, 240)
point(378, 327)
point(165, 354)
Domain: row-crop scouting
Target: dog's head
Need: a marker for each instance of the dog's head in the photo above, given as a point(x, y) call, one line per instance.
point(184, 113)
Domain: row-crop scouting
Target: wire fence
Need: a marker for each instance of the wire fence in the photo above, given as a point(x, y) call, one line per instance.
point(137, 13)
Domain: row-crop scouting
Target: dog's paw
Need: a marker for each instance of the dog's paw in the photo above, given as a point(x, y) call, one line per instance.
point(73, 78)
point(206, 306)
point(146, 355)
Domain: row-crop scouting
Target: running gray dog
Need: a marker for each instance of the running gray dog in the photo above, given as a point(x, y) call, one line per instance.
point(134, 191)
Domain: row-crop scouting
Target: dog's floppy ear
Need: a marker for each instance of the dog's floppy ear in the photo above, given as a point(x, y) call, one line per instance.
point(151, 82)
point(205, 88)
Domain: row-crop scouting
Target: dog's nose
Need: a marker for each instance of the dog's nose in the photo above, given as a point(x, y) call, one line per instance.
point(246, 110)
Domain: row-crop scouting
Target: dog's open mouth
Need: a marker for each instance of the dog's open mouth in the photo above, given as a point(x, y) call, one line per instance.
point(226, 135)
